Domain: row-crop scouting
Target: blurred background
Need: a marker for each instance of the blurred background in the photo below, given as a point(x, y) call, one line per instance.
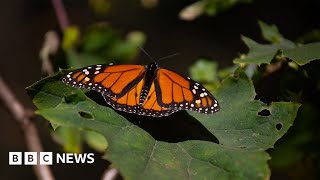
point(163, 31)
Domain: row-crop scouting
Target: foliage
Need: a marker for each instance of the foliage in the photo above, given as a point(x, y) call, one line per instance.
point(205, 72)
point(209, 7)
point(279, 48)
point(232, 144)
point(100, 44)
point(289, 74)
point(241, 137)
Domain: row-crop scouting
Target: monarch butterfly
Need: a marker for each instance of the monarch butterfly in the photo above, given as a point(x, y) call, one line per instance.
point(145, 90)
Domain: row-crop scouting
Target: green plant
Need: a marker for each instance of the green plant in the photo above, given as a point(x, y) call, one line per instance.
point(230, 144)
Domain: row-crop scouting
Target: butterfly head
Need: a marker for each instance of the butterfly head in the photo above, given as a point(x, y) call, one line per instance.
point(153, 66)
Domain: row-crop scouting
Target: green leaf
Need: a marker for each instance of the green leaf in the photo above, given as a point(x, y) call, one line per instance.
point(70, 37)
point(239, 124)
point(78, 60)
point(128, 49)
point(264, 53)
point(204, 71)
point(99, 38)
point(213, 7)
point(96, 140)
point(261, 53)
point(270, 32)
point(101, 44)
point(242, 133)
point(69, 138)
point(309, 37)
point(303, 54)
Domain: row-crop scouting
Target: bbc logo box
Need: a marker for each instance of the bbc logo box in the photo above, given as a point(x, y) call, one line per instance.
point(30, 158)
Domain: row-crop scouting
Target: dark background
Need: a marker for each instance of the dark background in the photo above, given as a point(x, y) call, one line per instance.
point(24, 24)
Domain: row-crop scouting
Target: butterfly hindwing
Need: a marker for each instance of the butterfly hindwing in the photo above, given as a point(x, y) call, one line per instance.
point(130, 102)
point(151, 106)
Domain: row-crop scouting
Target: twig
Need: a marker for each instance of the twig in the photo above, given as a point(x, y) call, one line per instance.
point(110, 174)
point(61, 14)
point(22, 116)
point(50, 46)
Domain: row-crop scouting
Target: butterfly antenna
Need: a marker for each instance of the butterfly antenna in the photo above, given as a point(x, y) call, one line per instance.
point(145, 52)
point(170, 56)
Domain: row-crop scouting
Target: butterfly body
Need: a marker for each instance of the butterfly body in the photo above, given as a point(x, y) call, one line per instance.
point(145, 90)
point(151, 70)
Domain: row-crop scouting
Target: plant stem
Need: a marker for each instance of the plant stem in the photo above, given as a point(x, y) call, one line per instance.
point(22, 117)
point(61, 14)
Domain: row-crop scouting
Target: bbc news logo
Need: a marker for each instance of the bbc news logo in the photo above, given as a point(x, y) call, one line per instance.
point(48, 158)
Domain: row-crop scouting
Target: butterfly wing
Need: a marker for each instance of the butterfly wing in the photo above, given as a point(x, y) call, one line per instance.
point(110, 80)
point(151, 106)
point(121, 86)
point(178, 93)
point(130, 102)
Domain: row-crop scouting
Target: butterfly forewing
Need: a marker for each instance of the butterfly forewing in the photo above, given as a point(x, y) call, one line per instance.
point(110, 80)
point(179, 93)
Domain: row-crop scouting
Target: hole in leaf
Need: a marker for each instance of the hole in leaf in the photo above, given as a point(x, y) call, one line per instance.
point(279, 126)
point(85, 115)
point(236, 76)
point(264, 112)
point(74, 98)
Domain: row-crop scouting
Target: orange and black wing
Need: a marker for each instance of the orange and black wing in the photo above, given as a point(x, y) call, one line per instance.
point(152, 107)
point(110, 80)
point(178, 93)
point(130, 102)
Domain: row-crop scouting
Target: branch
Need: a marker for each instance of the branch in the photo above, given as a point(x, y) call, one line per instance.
point(50, 46)
point(110, 174)
point(29, 129)
point(61, 14)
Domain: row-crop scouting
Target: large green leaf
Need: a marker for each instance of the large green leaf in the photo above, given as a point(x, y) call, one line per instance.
point(264, 53)
point(239, 124)
point(304, 54)
point(242, 133)
point(261, 53)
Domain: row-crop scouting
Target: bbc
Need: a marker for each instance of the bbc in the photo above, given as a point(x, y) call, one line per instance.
point(30, 158)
